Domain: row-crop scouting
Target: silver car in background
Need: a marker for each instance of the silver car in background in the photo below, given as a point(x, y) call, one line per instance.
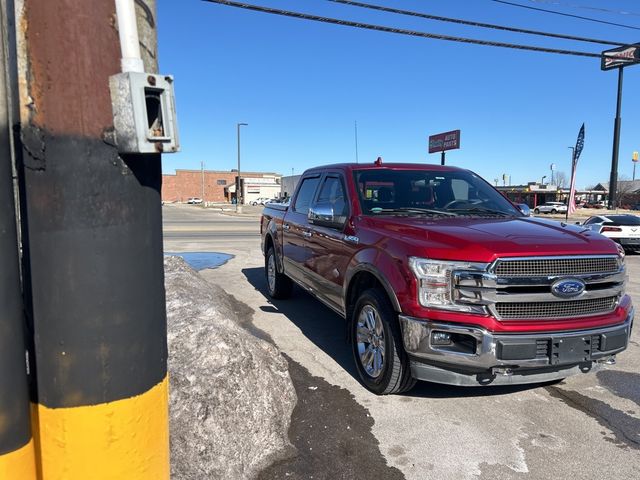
point(551, 207)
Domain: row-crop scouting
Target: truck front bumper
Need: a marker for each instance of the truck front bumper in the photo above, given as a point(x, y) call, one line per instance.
point(474, 356)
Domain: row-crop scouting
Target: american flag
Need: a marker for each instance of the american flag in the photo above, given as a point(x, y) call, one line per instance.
point(571, 208)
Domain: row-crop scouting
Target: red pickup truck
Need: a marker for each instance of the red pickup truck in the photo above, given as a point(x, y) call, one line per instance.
point(441, 278)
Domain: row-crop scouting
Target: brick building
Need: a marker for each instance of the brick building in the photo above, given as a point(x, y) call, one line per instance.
point(219, 186)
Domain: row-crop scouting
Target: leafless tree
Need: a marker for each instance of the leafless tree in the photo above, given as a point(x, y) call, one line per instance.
point(624, 190)
point(561, 180)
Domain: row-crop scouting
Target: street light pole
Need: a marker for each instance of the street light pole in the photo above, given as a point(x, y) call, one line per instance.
point(356, 132)
point(202, 172)
point(613, 179)
point(239, 183)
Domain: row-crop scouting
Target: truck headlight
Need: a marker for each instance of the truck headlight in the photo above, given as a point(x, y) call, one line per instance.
point(435, 286)
point(622, 255)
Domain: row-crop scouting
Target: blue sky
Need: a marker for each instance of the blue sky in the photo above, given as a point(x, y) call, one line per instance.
point(301, 86)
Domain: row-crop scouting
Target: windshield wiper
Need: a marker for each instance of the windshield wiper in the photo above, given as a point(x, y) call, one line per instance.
point(483, 210)
point(415, 210)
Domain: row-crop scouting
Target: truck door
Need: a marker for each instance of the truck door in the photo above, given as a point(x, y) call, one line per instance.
point(295, 230)
point(330, 252)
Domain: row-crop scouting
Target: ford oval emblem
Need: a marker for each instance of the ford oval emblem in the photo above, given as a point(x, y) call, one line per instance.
point(567, 288)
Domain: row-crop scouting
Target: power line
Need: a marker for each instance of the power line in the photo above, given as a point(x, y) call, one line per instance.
point(399, 31)
point(585, 7)
point(474, 24)
point(565, 14)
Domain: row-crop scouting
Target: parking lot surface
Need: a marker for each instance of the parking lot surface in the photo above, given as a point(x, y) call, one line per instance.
point(586, 427)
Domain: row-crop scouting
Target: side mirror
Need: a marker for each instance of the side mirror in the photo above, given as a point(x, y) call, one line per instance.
point(323, 215)
point(524, 208)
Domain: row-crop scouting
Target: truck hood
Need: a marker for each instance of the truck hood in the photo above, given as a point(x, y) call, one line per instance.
point(485, 239)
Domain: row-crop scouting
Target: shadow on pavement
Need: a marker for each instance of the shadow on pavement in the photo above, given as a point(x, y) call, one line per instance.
point(327, 330)
point(318, 323)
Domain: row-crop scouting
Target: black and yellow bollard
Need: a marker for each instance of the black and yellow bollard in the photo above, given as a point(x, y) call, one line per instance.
point(93, 257)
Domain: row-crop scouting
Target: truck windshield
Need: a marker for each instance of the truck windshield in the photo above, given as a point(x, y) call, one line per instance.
point(425, 192)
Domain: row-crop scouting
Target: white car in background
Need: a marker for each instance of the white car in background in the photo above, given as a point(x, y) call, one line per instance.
point(623, 229)
point(260, 201)
point(194, 201)
point(551, 207)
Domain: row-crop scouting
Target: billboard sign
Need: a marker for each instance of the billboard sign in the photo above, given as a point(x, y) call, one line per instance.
point(444, 141)
point(620, 57)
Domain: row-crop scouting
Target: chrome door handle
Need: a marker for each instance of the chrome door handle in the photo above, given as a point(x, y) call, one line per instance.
point(307, 234)
point(286, 226)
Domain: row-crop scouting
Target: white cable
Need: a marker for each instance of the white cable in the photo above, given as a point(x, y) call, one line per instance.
point(129, 42)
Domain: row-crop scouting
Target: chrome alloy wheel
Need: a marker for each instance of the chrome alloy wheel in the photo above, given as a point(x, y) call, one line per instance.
point(271, 272)
point(370, 340)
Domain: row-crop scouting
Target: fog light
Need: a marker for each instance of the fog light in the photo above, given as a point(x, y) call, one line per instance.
point(440, 338)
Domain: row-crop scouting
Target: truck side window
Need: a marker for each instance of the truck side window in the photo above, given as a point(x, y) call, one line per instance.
point(305, 195)
point(332, 192)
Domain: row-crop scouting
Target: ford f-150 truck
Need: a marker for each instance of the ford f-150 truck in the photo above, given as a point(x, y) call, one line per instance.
point(441, 278)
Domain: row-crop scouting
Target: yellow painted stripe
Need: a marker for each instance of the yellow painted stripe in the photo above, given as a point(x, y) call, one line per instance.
point(126, 439)
point(19, 464)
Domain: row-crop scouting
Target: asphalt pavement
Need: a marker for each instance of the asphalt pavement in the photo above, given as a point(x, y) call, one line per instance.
point(586, 427)
point(192, 228)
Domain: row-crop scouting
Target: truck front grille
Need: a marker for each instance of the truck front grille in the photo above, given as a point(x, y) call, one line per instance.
point(555, 266)
point(525, 287)
point(562, 309)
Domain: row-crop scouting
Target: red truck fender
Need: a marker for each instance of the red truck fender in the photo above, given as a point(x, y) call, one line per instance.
point(271, 239)
point(380, 265)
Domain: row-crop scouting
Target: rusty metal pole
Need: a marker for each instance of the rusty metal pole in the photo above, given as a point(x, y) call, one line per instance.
point(93, 262)
point(17, 458)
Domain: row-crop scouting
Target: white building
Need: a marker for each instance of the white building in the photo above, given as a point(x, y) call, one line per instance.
point(288, 185)
point(264, 187)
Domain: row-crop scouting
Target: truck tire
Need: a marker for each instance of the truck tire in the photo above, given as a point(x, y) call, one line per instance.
point(279, 286)
point(382, 363)
point(536, 211)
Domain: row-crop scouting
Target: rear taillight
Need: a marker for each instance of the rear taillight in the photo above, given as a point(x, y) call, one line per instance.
point(610, 229)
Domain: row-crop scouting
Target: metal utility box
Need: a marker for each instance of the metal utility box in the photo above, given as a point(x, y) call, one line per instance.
point(144, 113)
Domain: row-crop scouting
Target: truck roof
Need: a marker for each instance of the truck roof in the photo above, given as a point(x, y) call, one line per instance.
point(349, 167)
